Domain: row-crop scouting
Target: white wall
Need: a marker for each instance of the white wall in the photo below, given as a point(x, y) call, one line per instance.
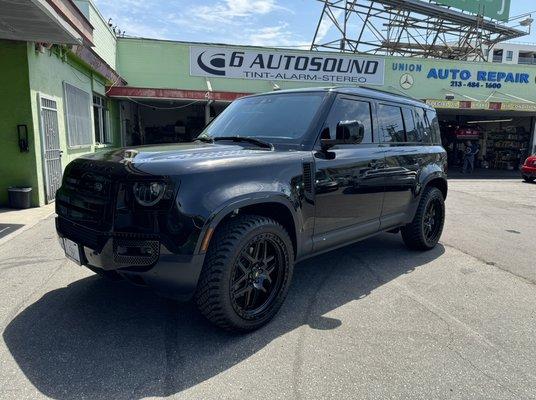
point(515, 48)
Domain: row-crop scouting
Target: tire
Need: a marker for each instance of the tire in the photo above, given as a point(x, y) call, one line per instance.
point(236, 293)
point(423, 233)
point(528, 179)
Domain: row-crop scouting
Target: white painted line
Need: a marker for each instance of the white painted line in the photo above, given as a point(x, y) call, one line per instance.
point(5, 229)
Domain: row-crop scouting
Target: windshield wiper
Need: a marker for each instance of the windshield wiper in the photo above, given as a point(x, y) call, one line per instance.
point(204, 139)
point(249, 139)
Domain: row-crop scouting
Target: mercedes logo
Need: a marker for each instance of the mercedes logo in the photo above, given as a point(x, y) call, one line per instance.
point(407, 81)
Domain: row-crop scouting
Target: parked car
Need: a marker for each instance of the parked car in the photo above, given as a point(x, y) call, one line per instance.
point(275, 179)
point(528, 170)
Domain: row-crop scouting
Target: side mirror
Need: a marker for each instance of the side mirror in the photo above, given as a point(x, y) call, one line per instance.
point(348, 132)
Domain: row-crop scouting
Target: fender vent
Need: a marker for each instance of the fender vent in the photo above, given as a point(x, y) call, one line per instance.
point(308, 177)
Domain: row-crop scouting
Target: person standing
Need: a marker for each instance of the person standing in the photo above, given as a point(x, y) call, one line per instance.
point(469, 158)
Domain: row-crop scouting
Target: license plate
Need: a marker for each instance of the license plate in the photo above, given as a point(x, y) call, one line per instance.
point(72, 250)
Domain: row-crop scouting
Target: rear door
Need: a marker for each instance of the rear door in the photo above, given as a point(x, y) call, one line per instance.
point(404, 159)
point(348, 186)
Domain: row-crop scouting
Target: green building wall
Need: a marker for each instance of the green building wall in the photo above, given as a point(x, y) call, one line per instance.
point(103, 37)
point(27, 74)
point(47, 74)
point(16, 168)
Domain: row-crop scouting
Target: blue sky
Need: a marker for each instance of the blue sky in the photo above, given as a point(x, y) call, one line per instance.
point(254, 22)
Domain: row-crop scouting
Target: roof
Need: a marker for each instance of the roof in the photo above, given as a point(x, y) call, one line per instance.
point(357, 91)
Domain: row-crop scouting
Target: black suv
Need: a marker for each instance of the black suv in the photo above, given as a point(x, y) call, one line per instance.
point(276, 178)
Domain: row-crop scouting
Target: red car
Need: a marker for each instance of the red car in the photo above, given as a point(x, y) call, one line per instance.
point(528, 170)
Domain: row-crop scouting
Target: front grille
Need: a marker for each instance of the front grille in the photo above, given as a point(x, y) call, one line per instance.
point(80, 234)
point(86, 198)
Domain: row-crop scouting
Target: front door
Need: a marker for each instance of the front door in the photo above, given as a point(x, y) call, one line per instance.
point(349, 183)
point(50, 142)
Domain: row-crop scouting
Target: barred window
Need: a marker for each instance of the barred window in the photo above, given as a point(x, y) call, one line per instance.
point(78, 115)
point(101, 122)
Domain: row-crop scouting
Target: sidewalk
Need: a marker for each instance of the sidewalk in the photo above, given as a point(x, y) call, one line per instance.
point(13, 222)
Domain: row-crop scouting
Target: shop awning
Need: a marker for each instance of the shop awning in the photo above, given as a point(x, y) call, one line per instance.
point(171, 94)
point(481, 105)
point(48, 21)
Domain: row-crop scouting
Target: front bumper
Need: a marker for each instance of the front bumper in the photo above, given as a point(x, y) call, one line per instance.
point(171, 275)
point(528, 171)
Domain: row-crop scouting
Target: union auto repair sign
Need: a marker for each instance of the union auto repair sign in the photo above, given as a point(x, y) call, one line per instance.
point(222, 62)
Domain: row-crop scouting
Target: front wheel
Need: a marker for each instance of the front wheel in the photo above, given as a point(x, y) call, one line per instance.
point(247, 273)
point(528, 179)
point(424, 231)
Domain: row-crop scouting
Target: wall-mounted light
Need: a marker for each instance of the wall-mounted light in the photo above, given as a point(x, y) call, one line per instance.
point(22, 131)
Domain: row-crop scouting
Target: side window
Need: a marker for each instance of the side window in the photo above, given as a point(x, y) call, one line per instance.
point(391, 124)
point(423, 128)
point(433, 123)
point(412, 134)
point(346, 109)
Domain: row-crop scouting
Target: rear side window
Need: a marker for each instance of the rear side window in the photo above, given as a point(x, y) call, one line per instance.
point(346, 109)
point(391, 124)
point(423, 127)
point(412, 133)
point(433, 124)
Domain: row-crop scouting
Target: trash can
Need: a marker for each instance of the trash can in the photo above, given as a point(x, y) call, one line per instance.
point(20, 197)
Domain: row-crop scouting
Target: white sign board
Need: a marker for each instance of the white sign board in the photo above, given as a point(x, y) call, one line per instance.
point(224, 62)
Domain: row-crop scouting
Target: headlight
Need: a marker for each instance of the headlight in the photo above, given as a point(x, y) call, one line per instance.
point(149, 194)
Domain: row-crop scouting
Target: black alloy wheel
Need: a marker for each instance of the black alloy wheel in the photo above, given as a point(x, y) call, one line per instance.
point(424, 232)
point(257, 275)
point(433, 220)
point(246, 274)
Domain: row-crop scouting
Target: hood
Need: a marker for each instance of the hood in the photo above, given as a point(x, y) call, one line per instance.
point(177, 152)
point(178, 158)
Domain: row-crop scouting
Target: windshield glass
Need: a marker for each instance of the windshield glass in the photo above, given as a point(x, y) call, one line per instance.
point(284, 117)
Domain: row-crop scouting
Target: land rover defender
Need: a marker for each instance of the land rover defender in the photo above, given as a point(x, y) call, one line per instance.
point(274, 179)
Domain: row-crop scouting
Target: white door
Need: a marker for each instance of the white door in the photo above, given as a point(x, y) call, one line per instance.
point(50, 143)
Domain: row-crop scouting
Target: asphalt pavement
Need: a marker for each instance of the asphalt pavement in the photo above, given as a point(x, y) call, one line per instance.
point(370, 321)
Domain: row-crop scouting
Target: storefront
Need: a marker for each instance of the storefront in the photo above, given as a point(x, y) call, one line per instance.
point(492, 105)
point(503, 139)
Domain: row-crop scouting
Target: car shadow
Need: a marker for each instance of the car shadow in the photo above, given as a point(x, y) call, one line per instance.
point(99, 339)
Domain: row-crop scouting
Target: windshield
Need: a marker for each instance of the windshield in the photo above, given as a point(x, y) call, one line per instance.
point(284, 117)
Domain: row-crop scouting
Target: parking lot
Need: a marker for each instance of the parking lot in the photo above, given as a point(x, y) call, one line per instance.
point(370, 321)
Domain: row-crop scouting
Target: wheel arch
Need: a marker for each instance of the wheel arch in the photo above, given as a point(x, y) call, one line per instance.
point(440, 183)
point(276, 206)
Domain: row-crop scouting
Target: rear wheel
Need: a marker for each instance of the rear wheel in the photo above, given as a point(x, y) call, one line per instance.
point(529, 179)
point(424, 231)
point(246, 274)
